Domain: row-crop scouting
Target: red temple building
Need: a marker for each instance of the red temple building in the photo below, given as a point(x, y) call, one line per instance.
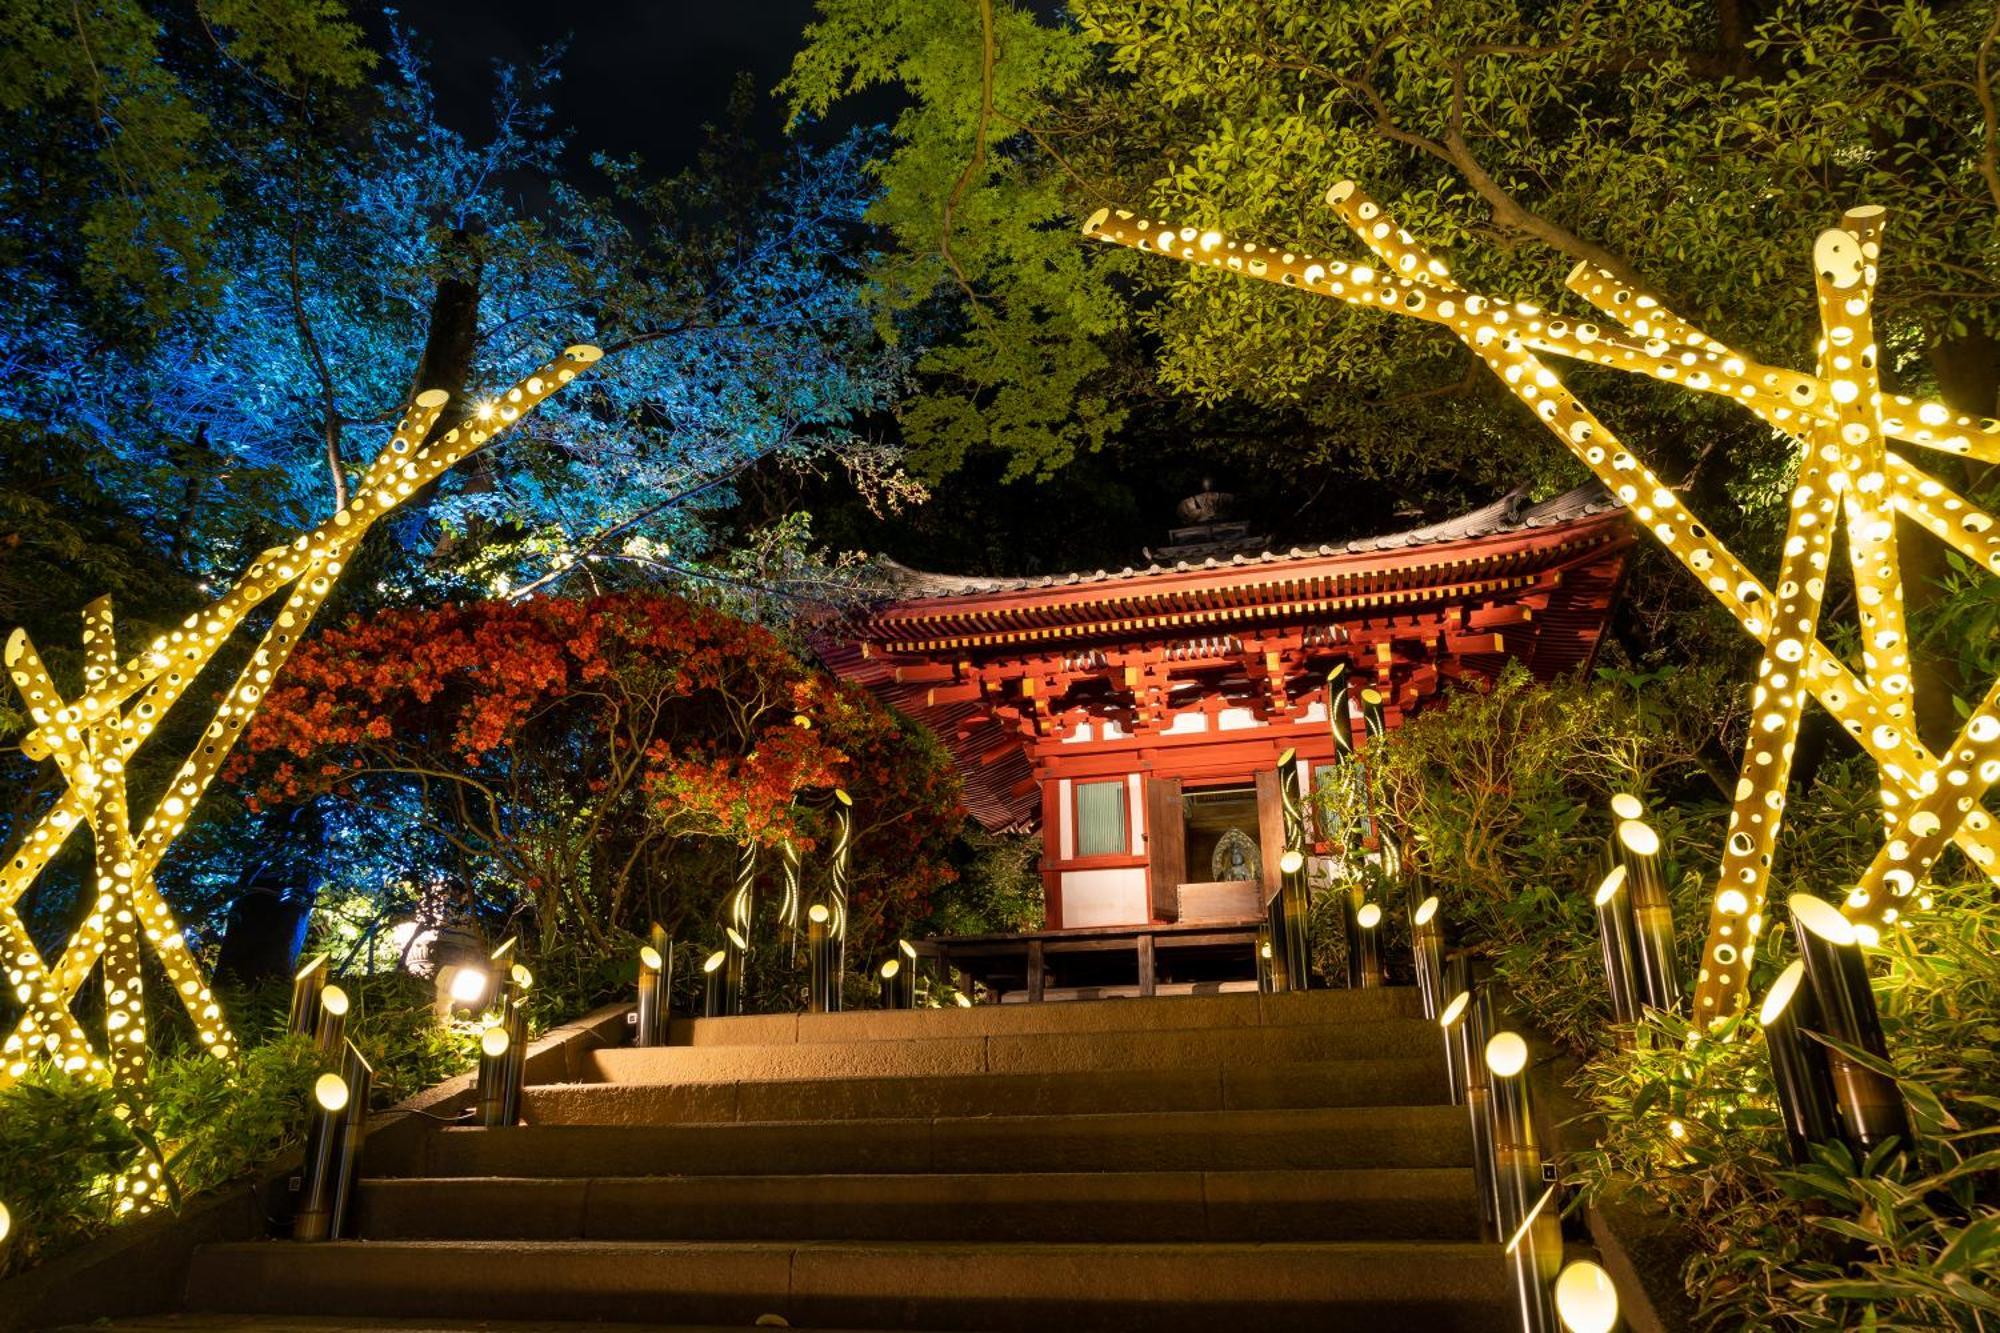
point(1130, 714)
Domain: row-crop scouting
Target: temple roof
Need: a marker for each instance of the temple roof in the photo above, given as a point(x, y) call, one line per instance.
point(1409, 610)
point(1510, 513)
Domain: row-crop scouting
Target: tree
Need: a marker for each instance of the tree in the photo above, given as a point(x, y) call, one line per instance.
point(1702, 146)
point(600, 761)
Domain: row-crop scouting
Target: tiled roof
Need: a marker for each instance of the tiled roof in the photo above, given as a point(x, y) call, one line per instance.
point(1510, 513)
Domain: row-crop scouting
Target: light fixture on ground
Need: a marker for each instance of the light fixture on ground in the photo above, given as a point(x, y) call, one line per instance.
point(332, 1030)
point(712, 1000)
point(325, 1137)
point(1267, 967)
point(893, 988)
point(360, 1078)
point(1614, 936)
point(1448, 1020)
point(735, 969)
point(1292, 936)
point(1525, 1214)
point(1798, 1063)
point(462, 988)
point(1427, 951)
point(912, 969)
point(514, 1017)
point(655, 981)
point(822, 995)
point(1285, 919)
point(1586, 1301)
point(307, 984)
point(494, 1044)
point(1870, 1104)
point(1465, 1026)
point(1367, 923)
point(1656, 977)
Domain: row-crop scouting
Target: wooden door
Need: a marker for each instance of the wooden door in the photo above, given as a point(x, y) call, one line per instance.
point(1166, 845)
point(1270, 829)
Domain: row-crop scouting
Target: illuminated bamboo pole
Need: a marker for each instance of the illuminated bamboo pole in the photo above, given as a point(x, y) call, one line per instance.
point(1468, 1026)
point(1613, 905)
point(331, 1034)
point(791, 909)
point(735, 970)
point(1870, 1104)
point(912, 971)
point(1427, 951)
point(1505, 336)
point(1798, 1063)
point(894, 987)
point(1367, 922)
point(1527, 1221)
point(99, 722)
point(714, 1000)
point(1274, 927)
point(325, 1136)
point(656, 984)
point(836, 891)
point(1267, 961)
point(1656, 973)
point(1450, 1020)
point(495, 1040)
point(360, 1079)
point(1450, 1014)
point(514, 1014)
point(307, 984)
point(821, 997)
point(1295, 937)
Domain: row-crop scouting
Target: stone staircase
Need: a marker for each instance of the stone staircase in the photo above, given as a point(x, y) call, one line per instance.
point(1238, 1161)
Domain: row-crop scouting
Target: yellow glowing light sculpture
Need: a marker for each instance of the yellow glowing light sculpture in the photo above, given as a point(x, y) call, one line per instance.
point(1848, 476)
point(93, 738)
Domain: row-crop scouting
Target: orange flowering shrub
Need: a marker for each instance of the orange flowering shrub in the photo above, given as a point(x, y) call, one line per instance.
point(606, 757)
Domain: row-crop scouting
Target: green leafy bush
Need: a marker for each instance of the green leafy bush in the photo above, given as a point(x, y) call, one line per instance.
point(1904, 1240)
point(63, 1142)
point(1501, 798)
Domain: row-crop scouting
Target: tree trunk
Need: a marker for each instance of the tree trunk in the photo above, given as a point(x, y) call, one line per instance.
point(453, 336)
point(1967, 369)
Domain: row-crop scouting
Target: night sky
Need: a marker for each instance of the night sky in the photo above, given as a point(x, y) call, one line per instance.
point(640, 75)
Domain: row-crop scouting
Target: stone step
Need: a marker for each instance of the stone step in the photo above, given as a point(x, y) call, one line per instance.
point(1433, 1203)
point(1324, 1138)
point(1436, 1287)
point(1166, 1012)
point(361, 1323)
point(1202, 1048)
point(1401, 1081)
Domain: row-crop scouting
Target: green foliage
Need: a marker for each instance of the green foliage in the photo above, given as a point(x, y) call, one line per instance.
point(63, 1141)
point(1502, 799)
point(1902, 1241)
point(1702, 145)
point(999, 886)
point(978, 223)
point(128, 189)
point(60, 1141)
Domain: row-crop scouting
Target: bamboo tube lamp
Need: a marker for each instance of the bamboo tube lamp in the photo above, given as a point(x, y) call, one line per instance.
point(1586, 1300)
point(1658, 980)
point(1367, 922)
point(1870, 1104)
point(307, 984)
point(1535, 1244)
point(714, 1002)
point(1613, 904)
point(313, 1220)
point(1798, 1063)
point(1427, 950)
